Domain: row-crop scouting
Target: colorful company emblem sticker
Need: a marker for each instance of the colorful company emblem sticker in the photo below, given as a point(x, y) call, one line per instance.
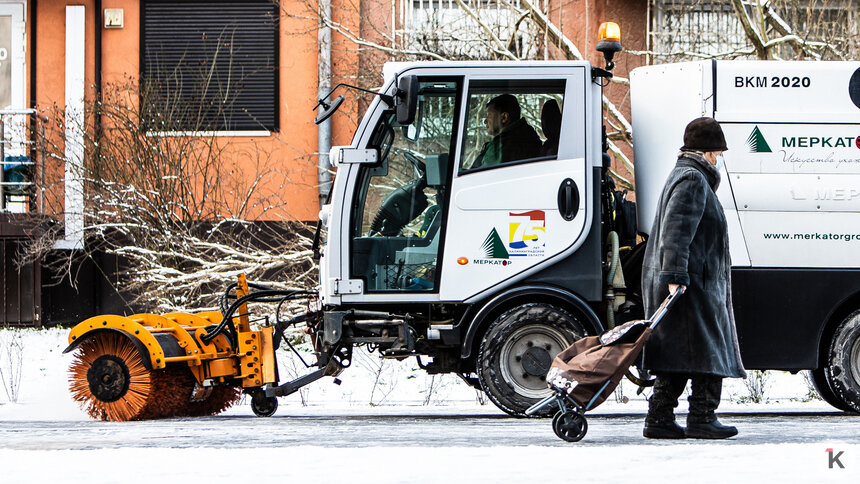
point(527, 233)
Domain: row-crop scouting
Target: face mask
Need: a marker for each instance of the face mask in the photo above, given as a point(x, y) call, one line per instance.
point(720, 162)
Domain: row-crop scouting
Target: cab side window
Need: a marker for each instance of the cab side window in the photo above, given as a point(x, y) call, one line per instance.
point(511, 121)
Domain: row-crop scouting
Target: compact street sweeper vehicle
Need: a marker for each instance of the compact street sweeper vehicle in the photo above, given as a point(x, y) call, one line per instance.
point(486, 262)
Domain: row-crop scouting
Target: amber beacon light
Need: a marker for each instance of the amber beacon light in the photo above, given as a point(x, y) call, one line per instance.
point(609, 42)
point(609, 31)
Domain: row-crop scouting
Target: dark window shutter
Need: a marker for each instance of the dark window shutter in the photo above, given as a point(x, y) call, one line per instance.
point(210, 65)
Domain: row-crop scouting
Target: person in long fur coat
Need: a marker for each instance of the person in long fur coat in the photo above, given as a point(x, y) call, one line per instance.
point(688, 248)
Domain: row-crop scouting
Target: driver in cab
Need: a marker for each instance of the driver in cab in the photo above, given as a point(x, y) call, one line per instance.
point(512, 137)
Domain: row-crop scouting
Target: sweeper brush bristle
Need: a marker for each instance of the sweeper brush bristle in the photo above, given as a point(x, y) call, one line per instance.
point(219, 400)
point(110, 382)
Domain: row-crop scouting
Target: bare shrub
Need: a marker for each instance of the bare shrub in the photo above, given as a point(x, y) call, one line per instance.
point(186, 210)
point(756, 384)
point(481, 397)
point(436, 388)
point(811, 392)
point(384, 376)
point(11, 362)
point(292, 365)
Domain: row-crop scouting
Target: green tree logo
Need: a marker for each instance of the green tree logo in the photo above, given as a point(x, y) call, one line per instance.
point(493, 246)
point(757, 143)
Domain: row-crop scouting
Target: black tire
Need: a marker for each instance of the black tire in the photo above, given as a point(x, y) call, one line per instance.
point(569, 426)
point(843, 369)
point(822, 388)
point(263, 406)
point(516, 353)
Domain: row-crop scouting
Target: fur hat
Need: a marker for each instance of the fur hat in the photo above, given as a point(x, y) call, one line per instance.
point(704, 134)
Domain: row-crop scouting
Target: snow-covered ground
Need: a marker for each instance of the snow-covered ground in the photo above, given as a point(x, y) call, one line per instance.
point(369, 383)
point(390, 422)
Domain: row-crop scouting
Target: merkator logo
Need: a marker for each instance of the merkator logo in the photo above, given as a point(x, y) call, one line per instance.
point(757, 143)
point(493, 246)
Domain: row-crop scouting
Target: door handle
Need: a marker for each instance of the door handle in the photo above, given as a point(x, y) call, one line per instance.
point(568, 199)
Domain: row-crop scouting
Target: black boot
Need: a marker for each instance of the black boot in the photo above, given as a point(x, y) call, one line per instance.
point(711, 430)
point(660, 422)
point(665, 430)
point(702, 422)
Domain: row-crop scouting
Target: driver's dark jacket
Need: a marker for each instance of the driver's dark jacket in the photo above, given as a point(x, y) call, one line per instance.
point(518, 141)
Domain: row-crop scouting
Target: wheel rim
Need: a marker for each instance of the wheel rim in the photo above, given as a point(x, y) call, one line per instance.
point(570, 426)
point(263, 406)
point(108, 378)
point(855, 361)
point(526, 357)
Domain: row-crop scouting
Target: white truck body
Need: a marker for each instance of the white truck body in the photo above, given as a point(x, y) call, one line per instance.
point(791, 182)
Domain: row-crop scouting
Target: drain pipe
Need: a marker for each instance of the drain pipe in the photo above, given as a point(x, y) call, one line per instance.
point(324, 128)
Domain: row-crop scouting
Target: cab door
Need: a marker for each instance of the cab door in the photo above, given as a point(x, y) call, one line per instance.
point(399, 204)
point(527, 206)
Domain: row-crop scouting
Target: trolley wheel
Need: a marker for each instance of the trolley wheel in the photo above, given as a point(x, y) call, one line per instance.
point(263, 406)
point(517, 351)
point(555, 420)
point(569, 426)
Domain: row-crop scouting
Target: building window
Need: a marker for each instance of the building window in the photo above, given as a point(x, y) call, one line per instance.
point(684, 29)
point(443, 27)
point(210, 65)
point(680, 28)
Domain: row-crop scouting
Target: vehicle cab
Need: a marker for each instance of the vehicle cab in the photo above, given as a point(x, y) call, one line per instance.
point(444, 209)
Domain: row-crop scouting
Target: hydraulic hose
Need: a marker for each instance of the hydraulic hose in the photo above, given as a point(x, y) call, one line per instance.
point(228, 293)
point(612, 240)
point(266, 295)
point(613, 262)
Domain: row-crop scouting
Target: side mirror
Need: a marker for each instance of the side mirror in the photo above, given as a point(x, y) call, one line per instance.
point(406, 100)
point(326, 110)
point(413, 130)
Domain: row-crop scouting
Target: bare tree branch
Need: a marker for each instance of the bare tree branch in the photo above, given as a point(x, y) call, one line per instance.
point(500, 46)
point(358, 40)
point(805, 47)
point(752, 34)
point(555, 34)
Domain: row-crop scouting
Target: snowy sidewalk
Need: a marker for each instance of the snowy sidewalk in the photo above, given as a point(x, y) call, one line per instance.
point(390, 422)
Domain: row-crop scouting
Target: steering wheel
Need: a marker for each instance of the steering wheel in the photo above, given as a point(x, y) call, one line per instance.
point(399, 208)
point(417, 163)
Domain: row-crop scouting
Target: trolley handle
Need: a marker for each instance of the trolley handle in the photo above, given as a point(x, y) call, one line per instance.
point(665, 306)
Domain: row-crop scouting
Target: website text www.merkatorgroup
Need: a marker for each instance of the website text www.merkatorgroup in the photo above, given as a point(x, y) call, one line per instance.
point(814, 236)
